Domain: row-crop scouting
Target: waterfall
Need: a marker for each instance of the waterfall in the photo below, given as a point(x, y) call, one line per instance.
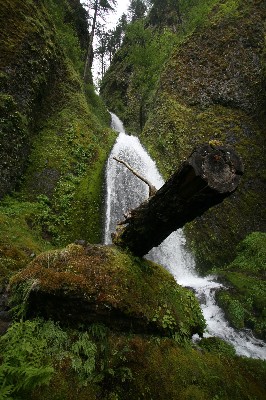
point(124, 192)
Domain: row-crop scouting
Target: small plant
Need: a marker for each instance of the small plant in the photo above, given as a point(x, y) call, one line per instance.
point(24, 363)
point(20, 297)
point(83, 353)
point(163, 314)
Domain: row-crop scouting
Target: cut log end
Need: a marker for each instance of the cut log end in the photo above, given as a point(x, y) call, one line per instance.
point(219, 166)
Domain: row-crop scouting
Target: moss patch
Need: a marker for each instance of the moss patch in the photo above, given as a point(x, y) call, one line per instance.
point(245, 300)
point(55, 137)
point(21, 236)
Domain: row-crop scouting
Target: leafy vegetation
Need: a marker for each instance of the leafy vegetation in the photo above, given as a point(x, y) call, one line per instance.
point(55, 141)
point(60, 129)
point(21, 235)
point(245, 300)
point(42, 360)
point(31, 350)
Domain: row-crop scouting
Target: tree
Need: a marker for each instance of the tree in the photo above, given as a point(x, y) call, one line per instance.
point(101, 50)
point(97, 9)
point(137, 9)
point(165, 12)
point(109, 42)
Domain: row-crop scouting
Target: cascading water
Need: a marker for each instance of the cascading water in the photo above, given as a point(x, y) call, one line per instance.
point(124, 192)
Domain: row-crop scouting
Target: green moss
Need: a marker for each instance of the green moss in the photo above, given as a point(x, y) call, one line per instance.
point(251, 255)
point(51, 121)
point(88, 204)
point(20, 236)
point(245, 300)
point(216, 345)
point(45, 347)
point(13, 136)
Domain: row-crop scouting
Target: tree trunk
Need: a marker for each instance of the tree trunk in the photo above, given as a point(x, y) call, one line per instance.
point(209, 175)
point(89, 57)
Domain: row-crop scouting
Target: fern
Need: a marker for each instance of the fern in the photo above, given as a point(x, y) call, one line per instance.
point(29, 350)
point(83, 356)
point(5, 392)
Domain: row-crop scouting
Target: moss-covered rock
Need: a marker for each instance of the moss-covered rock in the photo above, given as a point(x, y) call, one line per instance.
point(102, 284)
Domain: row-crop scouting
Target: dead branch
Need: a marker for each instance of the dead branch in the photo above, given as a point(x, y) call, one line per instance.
point(152, 189)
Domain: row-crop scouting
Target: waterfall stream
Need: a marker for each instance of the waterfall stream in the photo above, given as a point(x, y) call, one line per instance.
point(124, 192)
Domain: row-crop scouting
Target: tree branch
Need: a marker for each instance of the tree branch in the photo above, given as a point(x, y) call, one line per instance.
point(152, 189)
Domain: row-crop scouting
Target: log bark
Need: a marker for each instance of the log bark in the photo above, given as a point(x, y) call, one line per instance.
point(206, 178)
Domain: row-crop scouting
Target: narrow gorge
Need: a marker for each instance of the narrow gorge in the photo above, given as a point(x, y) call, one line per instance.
point(81, 317)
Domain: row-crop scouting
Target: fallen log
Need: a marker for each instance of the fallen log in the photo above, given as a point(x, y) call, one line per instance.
point(206, 178)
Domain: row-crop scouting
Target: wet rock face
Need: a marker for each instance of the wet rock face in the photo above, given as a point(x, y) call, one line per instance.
point(221, 65)
point(29, 62)
point(83, 285)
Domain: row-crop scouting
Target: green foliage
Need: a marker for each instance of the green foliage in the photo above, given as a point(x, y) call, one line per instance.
point(69, 141)
point(147, 51)
point(40, 360)
point(20, 235)
point(195, 14)
point(168, 321)
point(31, 350)
point(24, 365)
point(20, 298)
point(96, 104)
point(245, 301)
point(83, 357)
point(66, 34)
point(235, 311)
point(13, 134)
point(219, 346)
point(251, 254)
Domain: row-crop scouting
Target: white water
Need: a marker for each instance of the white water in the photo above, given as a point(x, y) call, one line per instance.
point(124, 192)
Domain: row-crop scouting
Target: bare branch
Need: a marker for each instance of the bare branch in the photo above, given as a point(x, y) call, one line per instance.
point(152, 189)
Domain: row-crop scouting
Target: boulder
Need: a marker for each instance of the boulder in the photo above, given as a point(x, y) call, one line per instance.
point(103, 284)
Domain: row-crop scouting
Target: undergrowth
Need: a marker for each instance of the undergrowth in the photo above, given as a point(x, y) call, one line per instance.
point(244, 301)
point(30, 351)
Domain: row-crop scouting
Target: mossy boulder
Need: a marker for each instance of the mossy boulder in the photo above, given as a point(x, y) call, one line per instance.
point(102, 284)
